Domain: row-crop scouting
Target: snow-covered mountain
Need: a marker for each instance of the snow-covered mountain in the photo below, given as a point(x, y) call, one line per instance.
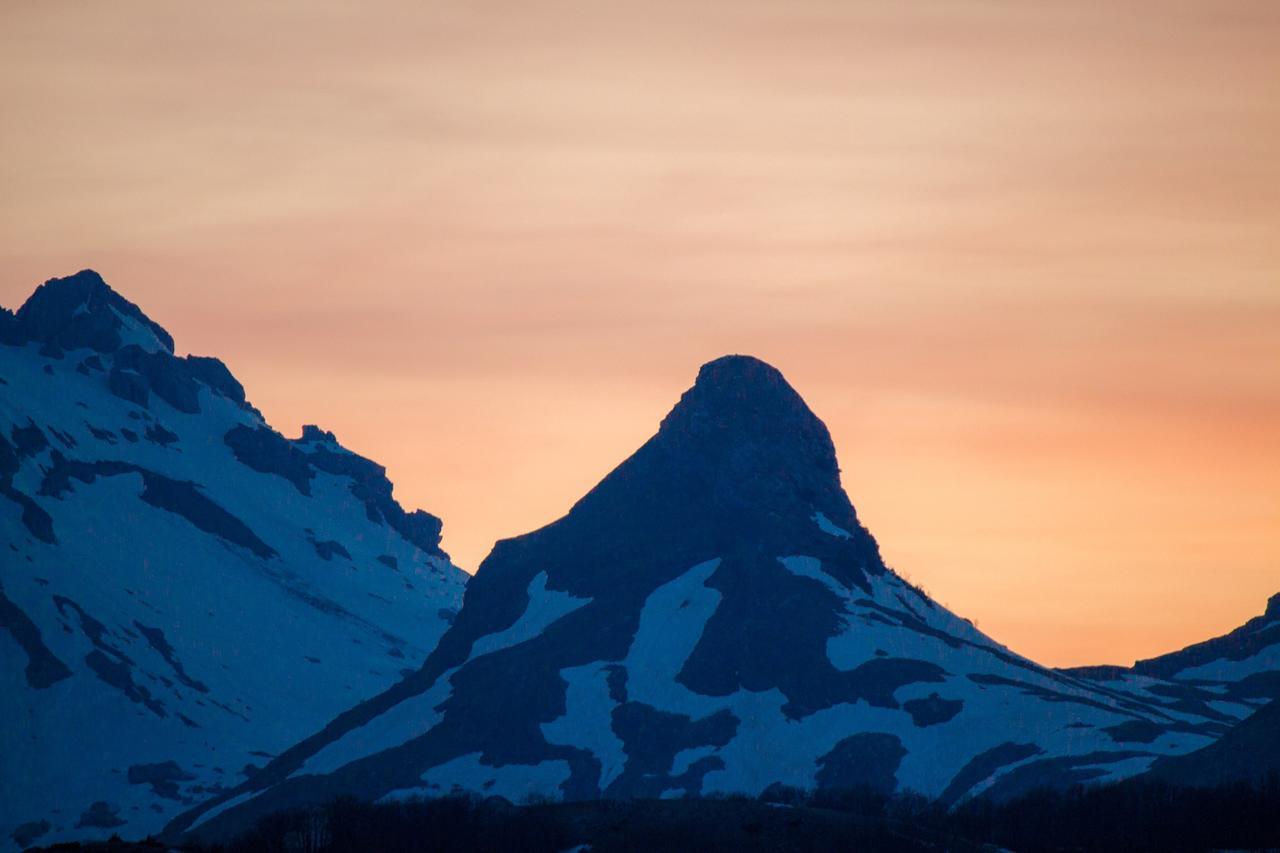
point(713, 617)
point(185, 592)
point(1214, 678)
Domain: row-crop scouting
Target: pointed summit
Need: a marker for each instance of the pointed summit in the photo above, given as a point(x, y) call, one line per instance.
point(739, 458)
point(713, 617)
point(82, 311)
point(742, 385)
point(752, 436)
point(746, 396)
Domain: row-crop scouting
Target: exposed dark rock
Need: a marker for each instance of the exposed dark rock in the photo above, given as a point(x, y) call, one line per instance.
point(119, 674)
point(1134, 731)
point(129, 384)
point(28, 440)
point(771, 629)
point(932, 710)
point(94, 630)
point(313, 433)
point(81, 311)
point(157, 640)
point(162, 777)
point(28, 832)
point(179, 497)
point(652, 738)
point(214, 373)
point(982, 765)
point(43, 667)
point(616, 680)
point(865, 760)
point(329, 549)
point(266, 451)
point(100, 815)
point(1259, 685)
point(101, 434)
point(168, 377)
point(420, 528)
point(64, 439)
point(37, 521)
point(157, 434)
point(370, 485)
point(10, 332)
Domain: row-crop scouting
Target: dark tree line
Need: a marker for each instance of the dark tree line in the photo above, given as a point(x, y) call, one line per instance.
point(1133, 815)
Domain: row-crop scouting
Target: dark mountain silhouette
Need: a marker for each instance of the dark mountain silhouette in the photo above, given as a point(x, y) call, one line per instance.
point(712, 617)
point(1250, 752)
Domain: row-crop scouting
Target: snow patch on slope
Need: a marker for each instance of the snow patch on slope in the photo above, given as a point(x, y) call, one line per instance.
point(470, 773)
point(826, 525)
point(587, 721)
point(545, 606)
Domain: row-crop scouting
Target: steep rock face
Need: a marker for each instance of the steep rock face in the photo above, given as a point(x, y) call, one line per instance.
point(177, 605)
point(713, 617)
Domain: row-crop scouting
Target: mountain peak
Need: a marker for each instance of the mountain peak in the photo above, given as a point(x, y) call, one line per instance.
point(82, 311)
point(740, 368)
point(1273, 606)
point(743, 395)
point(744, 420)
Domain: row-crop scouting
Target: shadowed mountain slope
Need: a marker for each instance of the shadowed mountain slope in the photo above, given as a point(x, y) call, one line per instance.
point(1248, 753)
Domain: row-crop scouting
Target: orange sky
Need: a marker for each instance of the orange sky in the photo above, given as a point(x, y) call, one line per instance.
point(1023, 258)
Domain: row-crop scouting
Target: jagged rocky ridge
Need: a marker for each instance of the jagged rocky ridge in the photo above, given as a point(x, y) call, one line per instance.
point(713, 617)
point(185, 592)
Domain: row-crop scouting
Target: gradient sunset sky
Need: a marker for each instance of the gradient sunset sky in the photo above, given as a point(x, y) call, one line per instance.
point(1022, 257)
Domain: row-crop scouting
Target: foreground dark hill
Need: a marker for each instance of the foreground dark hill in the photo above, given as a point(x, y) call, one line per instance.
point(1249, 753)
point(713, 617)
point(185, 592)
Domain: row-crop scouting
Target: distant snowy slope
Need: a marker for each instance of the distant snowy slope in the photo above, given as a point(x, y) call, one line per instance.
point(1215, 678)
point(184, 591)
point(714, 617)
point(1246, 661)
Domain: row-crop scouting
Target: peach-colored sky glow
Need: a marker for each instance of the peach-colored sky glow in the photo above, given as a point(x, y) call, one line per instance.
point(1022, 257)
